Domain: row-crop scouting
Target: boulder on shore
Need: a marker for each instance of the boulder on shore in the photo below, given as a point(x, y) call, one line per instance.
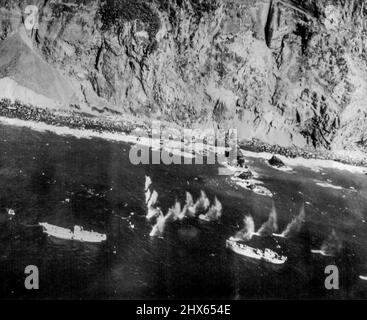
point(276, 162)
point(245, 175)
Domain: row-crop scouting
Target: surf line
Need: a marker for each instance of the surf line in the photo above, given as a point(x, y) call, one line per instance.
point(147, 310)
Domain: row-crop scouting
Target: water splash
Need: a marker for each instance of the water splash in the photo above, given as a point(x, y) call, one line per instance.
point(153, 199)
point(214, 213)
point(162, 220)
point(152, 213)
point(177, 211)
point(270, 226)
point(189, 211)
point(331, 246)
point(148, 194)
point(148, 182)
point(248, 230)
point(189, 199)
point(295, 226)
point(218, 207)
point(152, 210)
point(159, 227)
point(203, 203)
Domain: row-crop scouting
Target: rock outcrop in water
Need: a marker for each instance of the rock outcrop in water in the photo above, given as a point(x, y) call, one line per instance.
point(276, 162)
point(287, 72)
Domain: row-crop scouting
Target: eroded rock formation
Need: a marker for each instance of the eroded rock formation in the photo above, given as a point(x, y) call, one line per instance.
point(287, 72)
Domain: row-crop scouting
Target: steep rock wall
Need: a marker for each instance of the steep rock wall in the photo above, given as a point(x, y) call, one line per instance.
point(287, 72)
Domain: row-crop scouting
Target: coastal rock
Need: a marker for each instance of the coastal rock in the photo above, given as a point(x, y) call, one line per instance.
point(276, 162)
point(245, 175)
point(286, 72)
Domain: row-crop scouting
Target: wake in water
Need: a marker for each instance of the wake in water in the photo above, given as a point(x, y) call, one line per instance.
point(330, 247)
point(270, 226)
point(294, 227)
point(247, 231)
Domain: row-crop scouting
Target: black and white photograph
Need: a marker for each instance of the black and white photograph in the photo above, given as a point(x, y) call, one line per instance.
point(171, 150)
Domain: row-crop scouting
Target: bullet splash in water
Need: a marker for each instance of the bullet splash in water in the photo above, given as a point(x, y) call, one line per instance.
point(158, 228)
point(150, 199)
point(152, 213)
point(189, 199)
point(248, 230)
point(153, 199)
point(332, 245)
point(148, 182)
point(178, 213)
point(295, 226)
point(203, 203)
point(270, 226)
point(148, 194)
point(214, 213)
point(162, 220)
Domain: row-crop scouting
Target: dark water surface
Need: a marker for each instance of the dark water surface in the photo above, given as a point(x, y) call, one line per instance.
point(67, 181)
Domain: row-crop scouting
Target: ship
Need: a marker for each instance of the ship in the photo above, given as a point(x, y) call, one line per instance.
point(322, 253)
point(78, 234)
point(255, 253)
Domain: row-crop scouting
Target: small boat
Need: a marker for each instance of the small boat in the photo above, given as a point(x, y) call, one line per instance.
point(322, 253)
point(278, 235)
point(11, 212)
point(364, 278)
point(77, 234)
point(255, 253)
point(253, 185)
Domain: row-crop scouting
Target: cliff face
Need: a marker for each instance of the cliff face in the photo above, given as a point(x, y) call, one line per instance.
point(288, 72)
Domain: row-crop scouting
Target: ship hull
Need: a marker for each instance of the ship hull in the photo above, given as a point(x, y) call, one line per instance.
point(67, 234)
point(252, 253)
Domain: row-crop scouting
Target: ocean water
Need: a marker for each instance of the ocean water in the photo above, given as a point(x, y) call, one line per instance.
point(66, 181)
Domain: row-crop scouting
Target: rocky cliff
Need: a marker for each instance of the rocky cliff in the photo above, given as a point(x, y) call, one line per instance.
point(287, 72)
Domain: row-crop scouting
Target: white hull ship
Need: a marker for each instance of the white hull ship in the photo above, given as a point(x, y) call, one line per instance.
point(277, 235)
point(78, 234)
point(254, 253)
point(322, 253)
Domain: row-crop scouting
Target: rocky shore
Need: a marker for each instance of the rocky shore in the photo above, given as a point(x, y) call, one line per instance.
point(294, 152)
point(73, 120)
point(82, 121)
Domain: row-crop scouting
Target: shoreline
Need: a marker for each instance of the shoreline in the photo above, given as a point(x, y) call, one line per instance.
point(308, 154)
point(83, 126)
